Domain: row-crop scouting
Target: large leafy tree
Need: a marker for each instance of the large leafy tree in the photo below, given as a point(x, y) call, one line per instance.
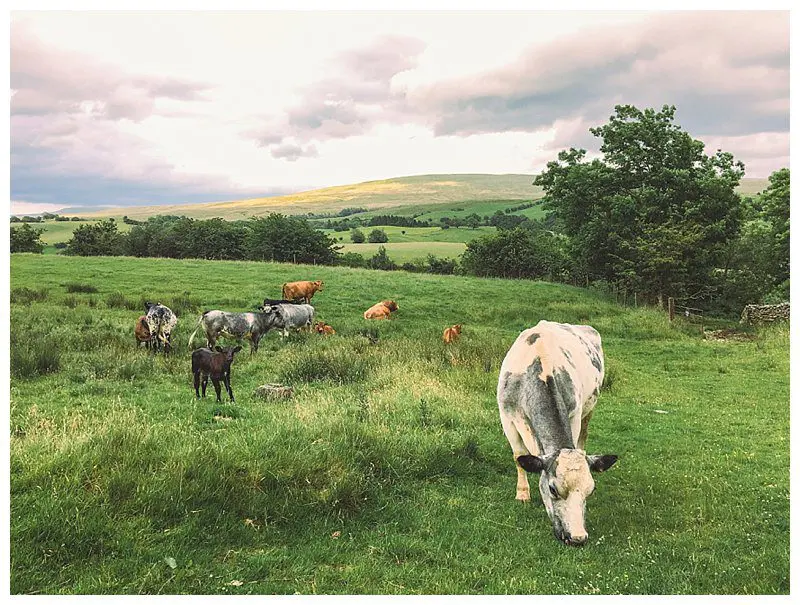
point(26, 239)
point(775, 201)
point(100, 239)
point(654, 214)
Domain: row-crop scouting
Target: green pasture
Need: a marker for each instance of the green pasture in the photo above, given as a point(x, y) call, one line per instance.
point(387, 472)
point(402, 252)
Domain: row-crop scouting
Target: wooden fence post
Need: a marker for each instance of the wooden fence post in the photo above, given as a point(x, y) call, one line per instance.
point(671, 308)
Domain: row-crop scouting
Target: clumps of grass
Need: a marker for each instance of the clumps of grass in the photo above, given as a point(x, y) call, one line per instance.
point(371, 334)
point(182, 304)
point(26, 296)
point(35, 358)
point(71, 302)
point(610, 378)
point(119, 301)
point(333, 365)
point(73, 288)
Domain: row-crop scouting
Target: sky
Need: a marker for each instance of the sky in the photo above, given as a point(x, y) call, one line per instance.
point(121, 109)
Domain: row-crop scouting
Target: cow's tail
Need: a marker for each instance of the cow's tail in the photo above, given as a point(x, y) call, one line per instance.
point(199, 324)
point(283, 291)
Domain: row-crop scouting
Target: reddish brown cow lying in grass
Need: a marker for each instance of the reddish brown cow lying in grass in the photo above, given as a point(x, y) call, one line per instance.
point(381, 310)
point(452, 333)
point(324, 329)
point(217, 365)
point(142, 332)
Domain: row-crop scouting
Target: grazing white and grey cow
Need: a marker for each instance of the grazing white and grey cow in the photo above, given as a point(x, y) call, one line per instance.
point(548, 387)
point(291, 316)
point(161, 321)
point(252, 326)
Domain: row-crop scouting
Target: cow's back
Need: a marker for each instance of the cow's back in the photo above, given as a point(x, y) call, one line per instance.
point(570, 357)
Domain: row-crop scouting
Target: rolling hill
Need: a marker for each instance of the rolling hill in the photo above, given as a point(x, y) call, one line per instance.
point(427, 190)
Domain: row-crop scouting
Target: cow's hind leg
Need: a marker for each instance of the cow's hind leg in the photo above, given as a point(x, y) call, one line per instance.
point(197, 384)
point(205, 383)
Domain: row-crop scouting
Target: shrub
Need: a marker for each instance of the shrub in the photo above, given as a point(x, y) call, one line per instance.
point(118, 300)
point(27, 295)
point(357, 236)
point(338, 366)
point(83, 288)
point(34, 358)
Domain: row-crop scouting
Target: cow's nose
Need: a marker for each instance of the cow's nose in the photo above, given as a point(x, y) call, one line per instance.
point(576, 539)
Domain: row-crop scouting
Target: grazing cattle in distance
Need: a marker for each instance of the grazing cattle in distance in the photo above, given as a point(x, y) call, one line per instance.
point(142, 332)
point(324, 329)
point(215, 364)
point(549, 383)
point(381, 310)
point(452, 333)
point(235, 325)
point(295, 317)
point(301, 290)
point(160, 321)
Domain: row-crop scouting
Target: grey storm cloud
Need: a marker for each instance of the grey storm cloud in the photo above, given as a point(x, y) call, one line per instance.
point(352, 102)
point(727, 73)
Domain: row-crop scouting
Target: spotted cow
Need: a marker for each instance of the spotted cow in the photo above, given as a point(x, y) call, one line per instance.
point(548, 387)
point(160, 321)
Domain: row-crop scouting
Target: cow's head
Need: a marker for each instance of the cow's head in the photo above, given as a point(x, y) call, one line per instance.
point(391, 305)
point(147, 306)
point(457, 328)
point(229, 352)
point(565, 482)
point(318, 285)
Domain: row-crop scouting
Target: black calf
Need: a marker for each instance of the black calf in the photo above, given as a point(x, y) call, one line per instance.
point(217, 365)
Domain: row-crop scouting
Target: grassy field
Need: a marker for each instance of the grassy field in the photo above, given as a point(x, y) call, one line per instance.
point(387, 472)
point(460, 209)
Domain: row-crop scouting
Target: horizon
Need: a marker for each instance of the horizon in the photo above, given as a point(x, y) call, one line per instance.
point(201, 114)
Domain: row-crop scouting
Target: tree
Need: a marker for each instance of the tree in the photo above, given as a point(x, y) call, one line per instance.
point(775, 201)
point(357, 236)
point(381, 260)
point(100, 239)
point(26, 239)
point(473, 221)
point(655, 214)
point(530, 253)
point(378, 236)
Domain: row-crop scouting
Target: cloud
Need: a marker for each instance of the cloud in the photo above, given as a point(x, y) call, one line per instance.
point(727, 73)
point(354, 100)
point(47, 81)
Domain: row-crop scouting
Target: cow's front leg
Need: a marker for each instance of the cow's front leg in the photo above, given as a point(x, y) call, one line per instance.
point(205, 383)
point(217, 388)
point(228, 387)
point(197, 384)
point(523, 487)
point(584, 431)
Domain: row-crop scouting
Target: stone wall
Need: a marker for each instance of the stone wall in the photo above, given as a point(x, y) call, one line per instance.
point(753, 314)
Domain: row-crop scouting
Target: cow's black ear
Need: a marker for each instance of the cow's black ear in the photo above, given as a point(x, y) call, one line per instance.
point(532, 464)
point(218, 349)
point(601, 463)
point(237, 349)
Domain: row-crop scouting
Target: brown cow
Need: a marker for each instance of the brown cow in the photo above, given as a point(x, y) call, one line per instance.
point(381, 310)
point(452, 333)
point(142, 332)
point(324, 329)
point(301, 290)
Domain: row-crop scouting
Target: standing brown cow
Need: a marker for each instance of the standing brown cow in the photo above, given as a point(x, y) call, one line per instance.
point(142, 332)
point(301, 290)
point(452, 333)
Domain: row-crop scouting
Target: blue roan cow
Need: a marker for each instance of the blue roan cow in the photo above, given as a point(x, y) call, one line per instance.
point(548, 387)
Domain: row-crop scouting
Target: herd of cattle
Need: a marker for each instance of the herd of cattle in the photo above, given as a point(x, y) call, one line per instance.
point(547, 390)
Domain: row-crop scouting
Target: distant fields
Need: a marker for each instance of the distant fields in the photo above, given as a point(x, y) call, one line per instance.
point(403, 191)
point(388, 471)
